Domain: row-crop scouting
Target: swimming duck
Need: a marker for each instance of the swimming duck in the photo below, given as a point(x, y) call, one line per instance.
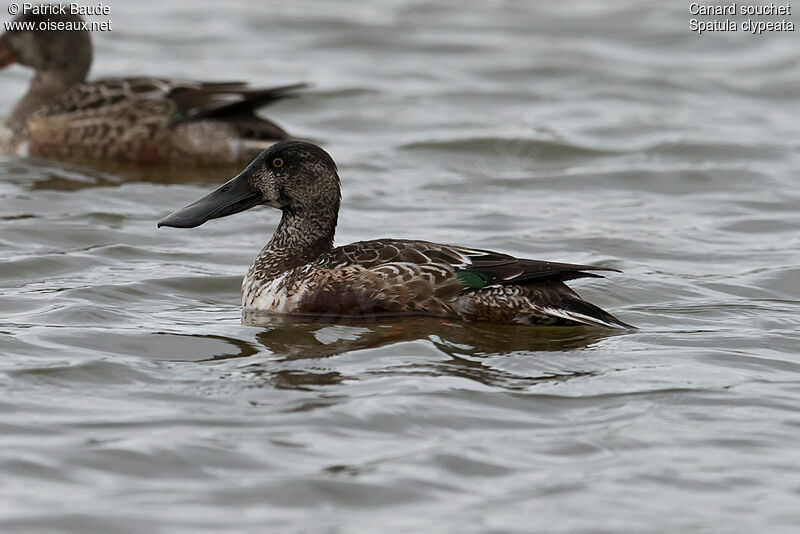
point(140, 120)
point(300, 272)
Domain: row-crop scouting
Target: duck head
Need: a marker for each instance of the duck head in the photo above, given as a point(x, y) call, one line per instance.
point(66, 54)
point(296, 177)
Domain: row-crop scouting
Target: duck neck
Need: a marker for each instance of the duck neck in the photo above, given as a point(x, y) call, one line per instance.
point(44, 87)
point(298, 240)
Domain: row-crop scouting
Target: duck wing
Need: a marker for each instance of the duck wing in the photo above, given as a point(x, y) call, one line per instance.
point(486, 268)
point(474, 268)
point(190, 100)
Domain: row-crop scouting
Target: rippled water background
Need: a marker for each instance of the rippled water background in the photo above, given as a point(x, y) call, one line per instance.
point(133, 397)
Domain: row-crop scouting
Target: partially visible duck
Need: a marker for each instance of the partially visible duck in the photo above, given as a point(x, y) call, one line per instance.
point(300, 272)
point(140, 120)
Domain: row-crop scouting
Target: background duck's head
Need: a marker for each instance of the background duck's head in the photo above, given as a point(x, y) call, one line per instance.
point(29, 42)
point(296, 177)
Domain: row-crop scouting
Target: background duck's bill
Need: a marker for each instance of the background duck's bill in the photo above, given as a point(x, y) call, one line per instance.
point(234, 196)
point(7, 54)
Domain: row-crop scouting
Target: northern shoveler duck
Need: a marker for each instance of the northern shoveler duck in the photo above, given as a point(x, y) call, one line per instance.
point(300, 272)
point(138, 120)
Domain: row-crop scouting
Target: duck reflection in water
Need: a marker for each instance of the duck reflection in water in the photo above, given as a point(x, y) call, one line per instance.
point(454, 349)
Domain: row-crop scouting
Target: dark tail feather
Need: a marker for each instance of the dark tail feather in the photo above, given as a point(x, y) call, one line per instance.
point(578, 310)
point(257, 98)
point(214, 100)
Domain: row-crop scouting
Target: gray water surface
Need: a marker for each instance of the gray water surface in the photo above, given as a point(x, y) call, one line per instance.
point(135, 397)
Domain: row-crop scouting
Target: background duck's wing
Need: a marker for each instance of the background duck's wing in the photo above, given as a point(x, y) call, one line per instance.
point(192, 100)
point(140, 119)
point(109, 92)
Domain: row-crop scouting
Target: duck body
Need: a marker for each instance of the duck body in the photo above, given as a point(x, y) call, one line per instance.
point(299, 271)
point(388, 277)
point(152, 121)
point(143, 120)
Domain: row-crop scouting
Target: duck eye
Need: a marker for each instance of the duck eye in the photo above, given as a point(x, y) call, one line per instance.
point(277, 163)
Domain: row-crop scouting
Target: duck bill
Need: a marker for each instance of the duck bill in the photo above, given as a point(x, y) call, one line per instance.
point(232, 197)
point(7, 54)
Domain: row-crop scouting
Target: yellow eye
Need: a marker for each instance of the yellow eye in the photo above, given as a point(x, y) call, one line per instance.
point(277, 163)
